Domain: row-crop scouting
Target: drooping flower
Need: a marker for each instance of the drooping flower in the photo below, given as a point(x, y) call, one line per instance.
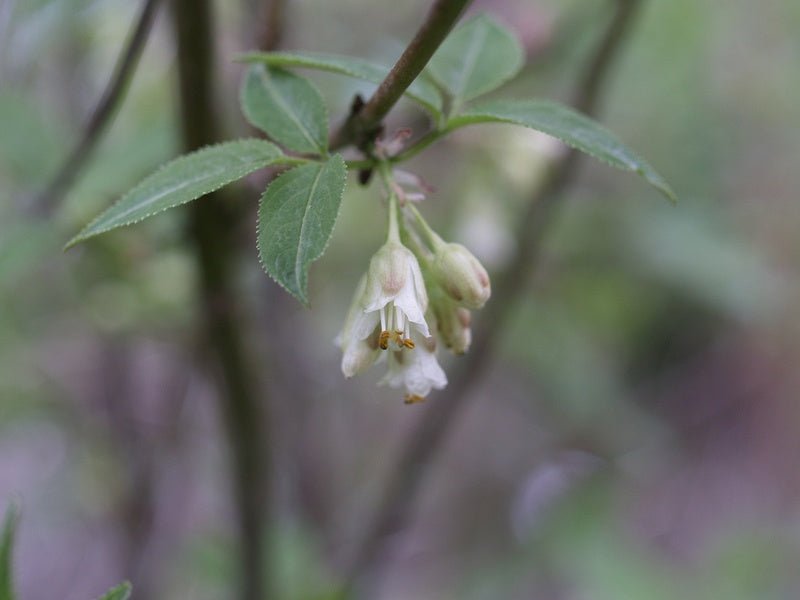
point(395, 292)
point(359, 336)
point(417, 371)
point(391, 311)
point(387, 312)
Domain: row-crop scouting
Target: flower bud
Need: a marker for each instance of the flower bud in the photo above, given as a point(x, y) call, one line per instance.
point(452, 323)
point(461, 276)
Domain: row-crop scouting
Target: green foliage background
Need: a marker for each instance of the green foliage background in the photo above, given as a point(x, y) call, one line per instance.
point(637, 434)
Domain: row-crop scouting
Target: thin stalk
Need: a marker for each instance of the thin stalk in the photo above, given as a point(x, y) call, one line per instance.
point(388, 181)
point(212, 232)
point(104, 112)
point(431, 237)
point(422, 143)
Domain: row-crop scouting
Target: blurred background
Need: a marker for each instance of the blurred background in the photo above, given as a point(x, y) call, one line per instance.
point(637, 434)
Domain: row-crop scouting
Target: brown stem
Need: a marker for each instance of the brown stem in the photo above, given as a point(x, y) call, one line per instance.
point(211, 229)
point(362, 125)
point(421, 447)
point(105, 110)
point(272, 24)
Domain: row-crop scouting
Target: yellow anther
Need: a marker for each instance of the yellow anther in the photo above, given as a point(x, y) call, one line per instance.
point(409, 343)
point(413, 399)
point(383, 340)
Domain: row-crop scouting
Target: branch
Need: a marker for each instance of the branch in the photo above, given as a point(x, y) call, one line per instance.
point(212, 229)
point(105, 110)
point(421, 447)
point(362, 125)
point(272, 26)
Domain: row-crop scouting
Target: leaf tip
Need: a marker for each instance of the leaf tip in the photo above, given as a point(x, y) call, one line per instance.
point(246, 57)
point(73, 242)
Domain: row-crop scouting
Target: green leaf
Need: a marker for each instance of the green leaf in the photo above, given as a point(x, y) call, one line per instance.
point(421, 91)
point(184, 179)
point(295, 221)
point(120, 592)
point(571, 127)
point(476, 58)
point(6, 554)
point(287, 107)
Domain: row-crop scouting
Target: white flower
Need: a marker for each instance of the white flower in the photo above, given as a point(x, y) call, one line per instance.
point(387, 318)
point(390, 301)
point(359, 336)
point(395, 294)
point(417, 371)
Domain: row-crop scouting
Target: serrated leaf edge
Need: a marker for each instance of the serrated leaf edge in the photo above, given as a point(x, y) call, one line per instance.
point(303, 300)
point(80, 237)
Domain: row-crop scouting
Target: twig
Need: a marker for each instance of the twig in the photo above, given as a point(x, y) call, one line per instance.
point(419, 450)
point(272, 25)
point(213, 234)
point(364, 122)
point(105, 110)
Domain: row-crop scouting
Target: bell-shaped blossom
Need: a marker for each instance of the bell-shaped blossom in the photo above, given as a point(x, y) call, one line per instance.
point(395, 293)
point(417, 371)
point(359, 336)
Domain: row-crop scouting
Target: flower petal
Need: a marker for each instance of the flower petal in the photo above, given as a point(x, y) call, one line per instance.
point(413, 300)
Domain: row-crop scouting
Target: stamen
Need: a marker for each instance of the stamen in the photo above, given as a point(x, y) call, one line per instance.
point(399, 320)
point(397, 338)
point(383, 340)
point(409, 343)
point(413, 399)
point(383, 318)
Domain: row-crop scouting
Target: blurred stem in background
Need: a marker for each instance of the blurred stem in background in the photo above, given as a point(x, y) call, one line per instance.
point(419, 450)
point(104, 112)
point(211, 229)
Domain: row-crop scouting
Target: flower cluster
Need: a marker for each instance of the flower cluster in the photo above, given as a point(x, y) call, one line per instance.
point(418, 289)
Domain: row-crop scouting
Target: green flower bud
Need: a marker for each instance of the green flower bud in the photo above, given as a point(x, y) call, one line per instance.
point(461, 275)
point(451, 320)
